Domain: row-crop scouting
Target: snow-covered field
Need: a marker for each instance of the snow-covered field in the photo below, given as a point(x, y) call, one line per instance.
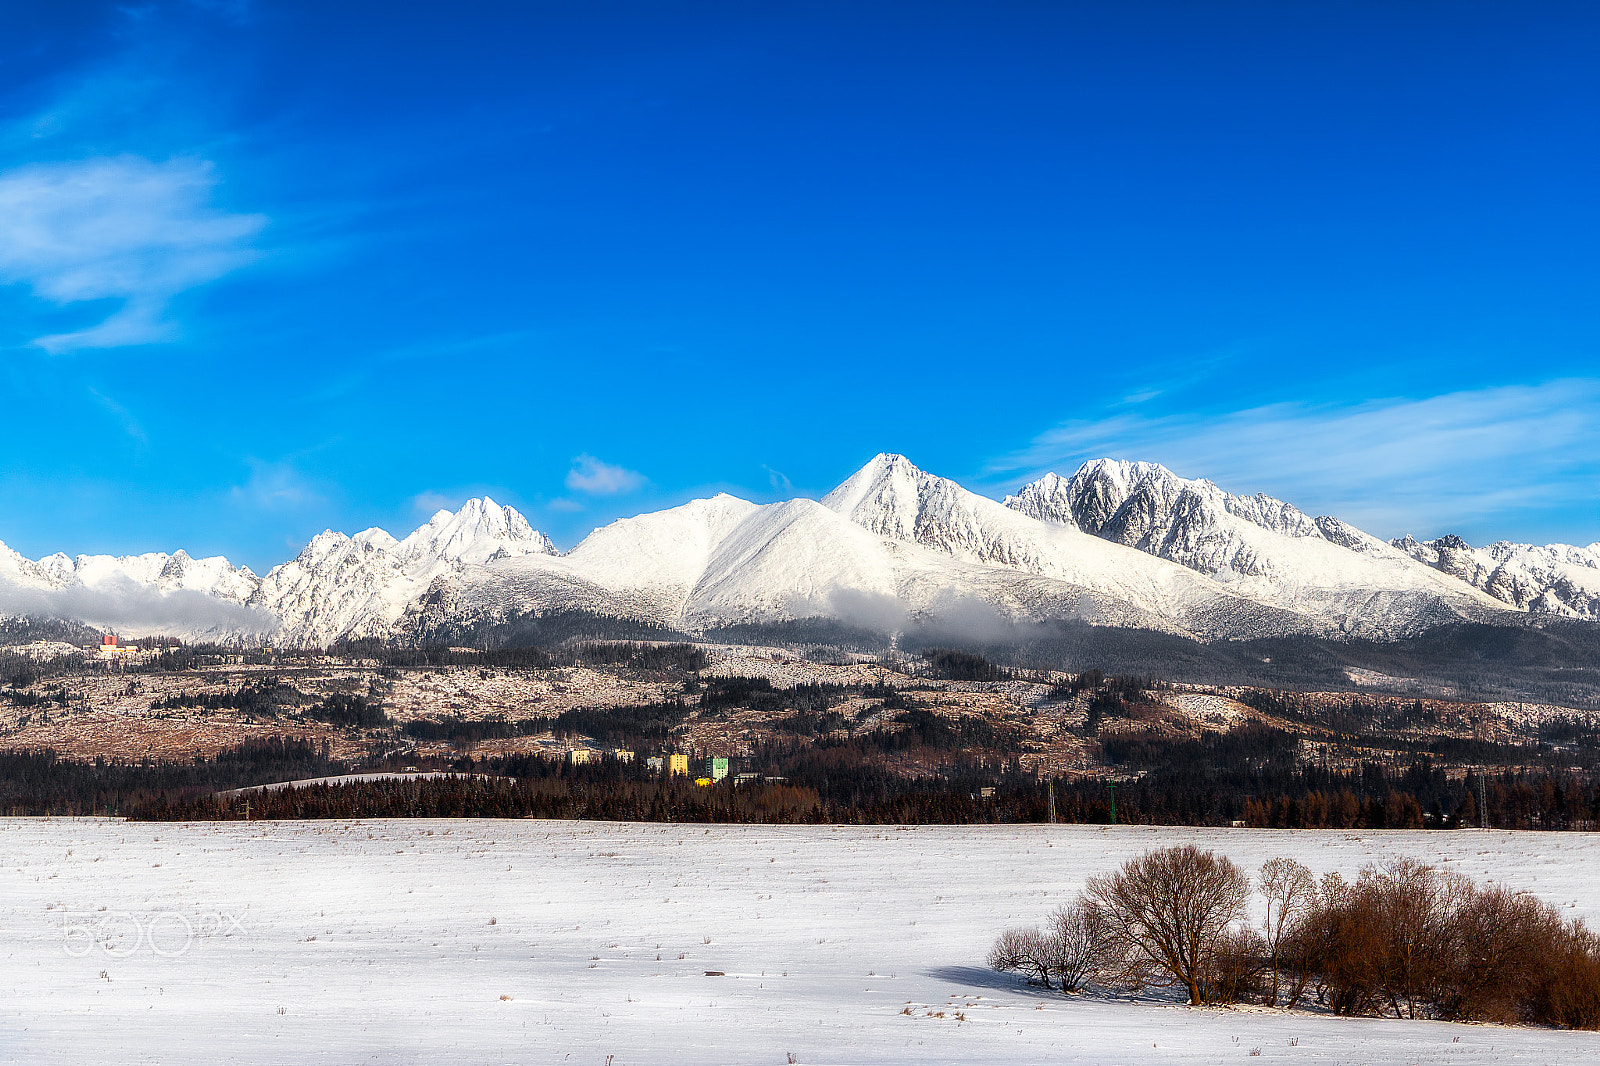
point(534, 941)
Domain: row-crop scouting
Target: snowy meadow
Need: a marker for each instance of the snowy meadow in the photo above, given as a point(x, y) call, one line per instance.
point(473, 941)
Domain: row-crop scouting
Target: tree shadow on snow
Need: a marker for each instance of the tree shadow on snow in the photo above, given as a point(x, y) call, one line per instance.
point(993, 980)
point(983, 977)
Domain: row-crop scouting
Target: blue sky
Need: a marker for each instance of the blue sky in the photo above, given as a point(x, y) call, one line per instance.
point(268, 268)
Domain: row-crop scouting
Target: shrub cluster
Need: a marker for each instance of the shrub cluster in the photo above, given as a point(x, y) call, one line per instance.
point(1405, 939)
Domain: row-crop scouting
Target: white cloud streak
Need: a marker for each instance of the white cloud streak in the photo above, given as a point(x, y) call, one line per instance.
point(121, 228)
point(595, 478)
point(274, 487)
point(1427, 465)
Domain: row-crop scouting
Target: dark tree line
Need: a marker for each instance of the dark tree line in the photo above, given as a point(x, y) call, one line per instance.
point(658, 658)
point(393, 655)
point(265, 699)
point(46, 783)
point(952, 665)
point(554, 796)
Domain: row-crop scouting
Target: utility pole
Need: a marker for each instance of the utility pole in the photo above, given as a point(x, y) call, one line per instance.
point(1113, 786)
point(1051, 785)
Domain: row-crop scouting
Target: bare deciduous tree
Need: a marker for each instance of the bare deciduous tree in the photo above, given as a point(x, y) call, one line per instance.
point(1079, 941)
point(1290, 892)
point(1071, 950)
point(1023, 951)
point(1167, 911)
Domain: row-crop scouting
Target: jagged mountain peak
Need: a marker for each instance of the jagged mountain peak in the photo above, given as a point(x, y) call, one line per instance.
point(888, 484)
point(1550, 578)
point(374, 537)
point(479, 531)
point(1258, 545)
point(1131, 501)
point(1049, 499)
point(892, 497)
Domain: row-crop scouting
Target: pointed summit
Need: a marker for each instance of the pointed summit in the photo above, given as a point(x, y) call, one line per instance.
point(479, 531)
point(891, 497)
point(886, 496)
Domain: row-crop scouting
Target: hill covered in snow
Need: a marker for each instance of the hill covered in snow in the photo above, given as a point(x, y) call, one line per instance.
point(892, 548)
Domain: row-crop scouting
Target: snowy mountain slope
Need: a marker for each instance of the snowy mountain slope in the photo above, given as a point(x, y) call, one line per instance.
point(1253, 548)
point(803, 559)
point(349, 587)
point(643, 568)
point(138, 595)
point(891, 547)
point(1257, 546)
point(1557, 579)
point(338, 586)
point(726, 561)
point(1118, 543)
point(891, 497)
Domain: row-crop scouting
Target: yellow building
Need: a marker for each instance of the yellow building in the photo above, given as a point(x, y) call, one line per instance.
point(678, 765)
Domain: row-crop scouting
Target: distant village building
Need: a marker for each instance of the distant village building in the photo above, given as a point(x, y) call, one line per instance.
point(716, 768)
point(622, 754)
point(678, 765)
point(655, 764)
point(110, 649)
point(746, 778)
point(579, 756)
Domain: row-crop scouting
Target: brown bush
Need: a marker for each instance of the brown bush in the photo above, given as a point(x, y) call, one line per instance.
point(1566, 990)
point(1415, 941)
point(1498, 942)
point(1290, 893)
point(1406, 939)
point(1022, 951)
point(1237, 967)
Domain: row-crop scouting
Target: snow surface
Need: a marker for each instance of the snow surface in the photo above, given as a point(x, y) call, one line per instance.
point(536, 941)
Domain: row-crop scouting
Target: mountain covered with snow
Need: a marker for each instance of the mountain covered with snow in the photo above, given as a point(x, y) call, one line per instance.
point(1258, 547)
point(896, 547)
point(337, 586)
point(349, 587)
point(1559, 579)
point(893, 547)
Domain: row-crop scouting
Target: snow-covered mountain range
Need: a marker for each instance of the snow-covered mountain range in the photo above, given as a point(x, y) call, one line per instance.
point(1117, 543)
point(337, 586)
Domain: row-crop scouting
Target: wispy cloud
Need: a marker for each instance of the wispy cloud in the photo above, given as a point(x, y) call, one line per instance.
point(121, 228)
point(130, 424)
point(778, 480)
point(1427, 465)
point(275, 487)
point(595, 478)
